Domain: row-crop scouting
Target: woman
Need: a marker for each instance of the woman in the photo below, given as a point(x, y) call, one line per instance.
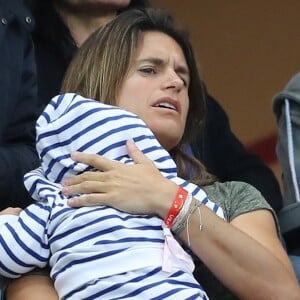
point(162, 87)
point(154, 73)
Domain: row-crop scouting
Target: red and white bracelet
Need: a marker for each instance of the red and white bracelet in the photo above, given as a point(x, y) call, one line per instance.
point(182, 208)
point(177, 204)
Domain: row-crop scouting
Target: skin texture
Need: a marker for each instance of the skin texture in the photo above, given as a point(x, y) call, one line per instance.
point(23, 288)
point(243, 253)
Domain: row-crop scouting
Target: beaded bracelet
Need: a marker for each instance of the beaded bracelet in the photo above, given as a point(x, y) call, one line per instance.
point(176, 206)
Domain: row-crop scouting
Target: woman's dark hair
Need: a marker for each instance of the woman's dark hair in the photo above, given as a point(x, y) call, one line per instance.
point(95, 74)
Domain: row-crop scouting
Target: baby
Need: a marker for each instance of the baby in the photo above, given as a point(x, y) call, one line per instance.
point(97, 251)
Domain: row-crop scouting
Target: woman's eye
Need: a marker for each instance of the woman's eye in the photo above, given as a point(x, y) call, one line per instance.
point(147, 70)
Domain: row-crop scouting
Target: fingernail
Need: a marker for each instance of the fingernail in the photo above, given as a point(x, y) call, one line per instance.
point(72, 202)
point(131, 142)
point(74, 154)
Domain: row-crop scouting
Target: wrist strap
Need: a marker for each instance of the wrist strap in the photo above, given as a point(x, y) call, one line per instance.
point(176, 206)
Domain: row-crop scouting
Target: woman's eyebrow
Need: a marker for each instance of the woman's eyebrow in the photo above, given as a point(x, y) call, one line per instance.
point(154, 60)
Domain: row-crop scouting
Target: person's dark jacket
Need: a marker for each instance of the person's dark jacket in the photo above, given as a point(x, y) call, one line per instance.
point(218, 148)
point(54, 47)
point(18, 90)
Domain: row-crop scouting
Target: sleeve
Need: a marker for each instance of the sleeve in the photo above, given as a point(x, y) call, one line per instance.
point(237, 198)
point(245, 198)
point(227, 158)
point(18, 116)
point(23, 241)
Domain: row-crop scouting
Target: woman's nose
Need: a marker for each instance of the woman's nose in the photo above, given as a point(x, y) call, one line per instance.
point(173, 81)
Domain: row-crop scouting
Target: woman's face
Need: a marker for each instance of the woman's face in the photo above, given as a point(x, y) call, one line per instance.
point(156, 87)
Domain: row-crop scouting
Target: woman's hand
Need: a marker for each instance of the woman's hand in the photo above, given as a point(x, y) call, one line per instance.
point(11, 211)
point(139, 188)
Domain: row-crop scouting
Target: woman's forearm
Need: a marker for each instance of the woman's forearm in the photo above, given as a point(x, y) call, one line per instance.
point(240, 262)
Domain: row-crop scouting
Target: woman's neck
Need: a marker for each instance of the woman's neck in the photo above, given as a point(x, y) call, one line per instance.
point(83, 22)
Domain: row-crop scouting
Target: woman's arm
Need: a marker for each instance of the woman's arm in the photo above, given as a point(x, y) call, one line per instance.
point(33, 287)
point(245, 263)
point(245, 255)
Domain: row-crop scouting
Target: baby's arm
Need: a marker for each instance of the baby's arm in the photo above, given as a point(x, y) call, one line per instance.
point(23, 243)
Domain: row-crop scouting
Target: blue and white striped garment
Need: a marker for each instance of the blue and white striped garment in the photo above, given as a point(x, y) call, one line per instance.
point(95, 252)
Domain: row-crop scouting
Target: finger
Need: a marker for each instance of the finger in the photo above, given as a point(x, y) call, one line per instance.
point(86, 187)
point(88, 200)
point(136, 154)
point(86, 176)
point(95, 160)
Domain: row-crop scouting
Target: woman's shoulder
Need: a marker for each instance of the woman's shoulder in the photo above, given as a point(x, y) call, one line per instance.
point(231, 188)
point(236, 198)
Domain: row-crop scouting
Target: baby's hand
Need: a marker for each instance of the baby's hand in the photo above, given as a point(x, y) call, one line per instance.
point(11, 211)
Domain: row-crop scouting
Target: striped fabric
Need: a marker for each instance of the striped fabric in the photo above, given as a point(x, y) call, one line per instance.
point(95, 252)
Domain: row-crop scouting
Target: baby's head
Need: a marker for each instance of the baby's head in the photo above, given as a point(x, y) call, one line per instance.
point(73, 123)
